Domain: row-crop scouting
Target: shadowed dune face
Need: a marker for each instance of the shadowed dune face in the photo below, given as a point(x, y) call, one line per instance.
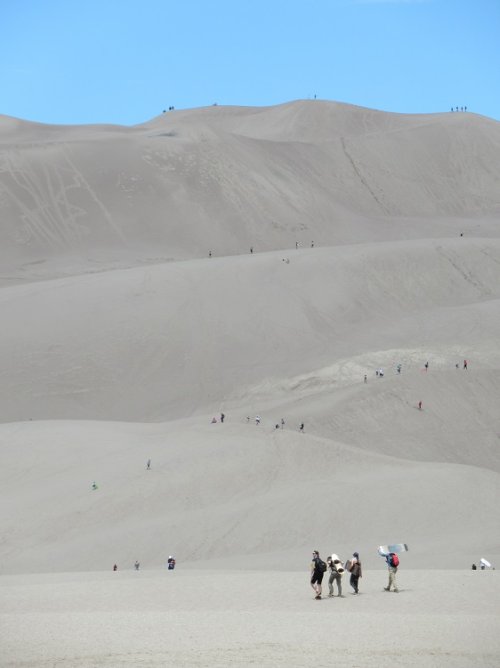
point(99, 323)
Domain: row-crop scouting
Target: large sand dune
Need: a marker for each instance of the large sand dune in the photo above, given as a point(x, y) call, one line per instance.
point(225, 179)
point(121, 338)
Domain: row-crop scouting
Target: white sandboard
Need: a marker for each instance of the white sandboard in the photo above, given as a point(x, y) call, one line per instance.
point(384, 550)
point(485, 562)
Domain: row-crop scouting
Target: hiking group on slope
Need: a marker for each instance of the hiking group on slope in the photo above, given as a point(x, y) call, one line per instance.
point(336, 570)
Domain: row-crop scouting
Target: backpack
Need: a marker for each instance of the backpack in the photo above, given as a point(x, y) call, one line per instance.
point(321, 566)
point(393, 560)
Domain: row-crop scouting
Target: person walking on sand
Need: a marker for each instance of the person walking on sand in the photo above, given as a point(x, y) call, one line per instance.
point(366, 378)
point(392, 561)
point(222, 416)
point(115, 567)
point(336, 569)
point(301, 427)
point(426, 365)
point(257, 419)
point(465, 365)
point(282, 423)
point(148, 465)
point(318, 568)
point(355, 571)
point(419, 405)
point(137, 565)
point(94, 486)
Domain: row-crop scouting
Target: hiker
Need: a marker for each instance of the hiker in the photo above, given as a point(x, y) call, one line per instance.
point(214, 420)
point(209, 253)
point(296, 244)
point(419, 405)
point(248, 419)
point(136, 565)
point(171, 563)
point(399, 368)
point(392, 561)
point(115, 567)
point(257, 419)
point(366, 378)
point(318, 568)
point(301, 428)
point(282, 422)
point(465, 365)
point(222, 416)
point(380, 373)
point(251, 250)
point(94, 486)
point(355, 571)
point(474, 567)
point(426, 365)
point(312, 244)
point(336, 570)
point(148, 465)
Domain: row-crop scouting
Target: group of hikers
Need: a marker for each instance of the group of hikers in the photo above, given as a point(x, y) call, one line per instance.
point(170, 564)
point(336, 570)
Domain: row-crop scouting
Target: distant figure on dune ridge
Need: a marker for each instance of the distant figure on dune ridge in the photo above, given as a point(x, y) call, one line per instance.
point(94, 486)
point(318, 568)
point(282, 422)
point(419, 405)
point(312, 244)
point(257, 419)
point(366, 378)
point(137, 565)
point(115, 567)
point(209, 253)
point(222, 416)
point(465, 365)
point(426, 366)
point(301, 427)
point(148, 465)
point(251, 250)
point(474, 567)
point(214, 420)
point(171, 563)
point(296, 244)
point(398, 368)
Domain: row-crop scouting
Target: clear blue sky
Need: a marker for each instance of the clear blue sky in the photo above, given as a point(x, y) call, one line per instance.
point(124, 61)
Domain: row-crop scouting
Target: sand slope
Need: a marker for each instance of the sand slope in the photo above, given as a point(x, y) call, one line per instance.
point(225, 179)
point(121, 338)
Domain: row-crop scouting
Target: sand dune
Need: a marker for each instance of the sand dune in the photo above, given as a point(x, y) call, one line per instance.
point(121, 339)
point(225, 179)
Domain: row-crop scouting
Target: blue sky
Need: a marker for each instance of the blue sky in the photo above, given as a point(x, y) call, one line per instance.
point(110, 61)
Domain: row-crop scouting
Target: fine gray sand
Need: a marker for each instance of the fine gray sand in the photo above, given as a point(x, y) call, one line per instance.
point(205, 618)
point(376, 242)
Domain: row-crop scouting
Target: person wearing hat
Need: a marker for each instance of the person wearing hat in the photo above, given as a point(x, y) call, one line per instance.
point(355, 571)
